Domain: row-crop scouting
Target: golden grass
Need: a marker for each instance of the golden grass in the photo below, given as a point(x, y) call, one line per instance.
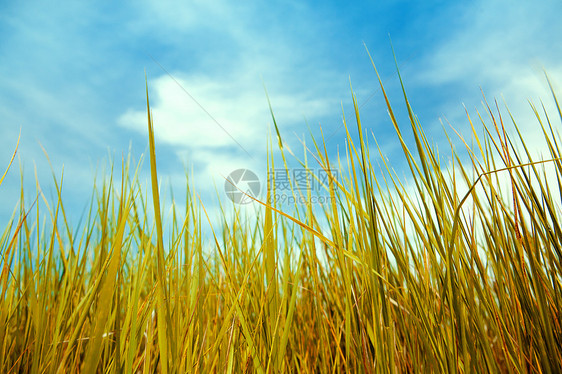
point(436, 277)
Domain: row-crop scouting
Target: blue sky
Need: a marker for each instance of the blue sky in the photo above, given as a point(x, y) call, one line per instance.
point(72, 79)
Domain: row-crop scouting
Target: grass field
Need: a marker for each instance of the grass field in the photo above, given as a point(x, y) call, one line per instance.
point(458, 271)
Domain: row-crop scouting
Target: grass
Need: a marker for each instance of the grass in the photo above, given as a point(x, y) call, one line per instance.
point(457, 271)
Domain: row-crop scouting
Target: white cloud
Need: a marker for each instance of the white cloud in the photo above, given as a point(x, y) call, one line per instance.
point(180, 121)
point(231, 117)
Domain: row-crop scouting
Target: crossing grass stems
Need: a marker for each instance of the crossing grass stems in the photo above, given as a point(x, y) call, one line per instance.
point(445, 271)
